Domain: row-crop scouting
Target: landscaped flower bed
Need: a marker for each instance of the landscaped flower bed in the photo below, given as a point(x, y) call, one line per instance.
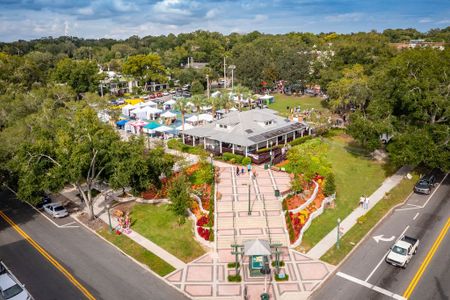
point(296, 221)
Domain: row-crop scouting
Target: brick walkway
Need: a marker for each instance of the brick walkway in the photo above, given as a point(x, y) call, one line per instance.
point(206, 277)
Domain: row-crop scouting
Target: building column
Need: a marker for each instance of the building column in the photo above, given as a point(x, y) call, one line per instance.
point(309, 131)
point(257, 147)
point(267, 144)
point(302, 132)
point(232, 148)
point(220, 146)
point(285, 138)
point(246, 151)
point(193, 141)
point(183, 137)
point(276, 142)
point(294, 135)
point(204, 143)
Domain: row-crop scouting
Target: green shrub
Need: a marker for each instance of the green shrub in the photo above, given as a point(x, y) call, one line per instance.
point(246, 160)
point(330, 185)
point(234, 278)
point(232, 265)
point(281, 263)
point(232, 158)
point(284, 204)
point(277, 278)
point(300, 140)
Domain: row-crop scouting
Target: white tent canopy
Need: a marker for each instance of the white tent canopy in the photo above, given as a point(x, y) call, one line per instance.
point(151, 112)
point(139, 112)
point(186, 126)
point(168, 114)
point(170, 102)
point(193, 119)
point(266, 97)
point(126, 109)
point(206, 117)
point(257, 247)
point(163, 129)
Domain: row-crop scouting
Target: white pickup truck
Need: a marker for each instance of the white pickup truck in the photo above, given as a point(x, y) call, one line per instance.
point(402, 251)
point(10, 287)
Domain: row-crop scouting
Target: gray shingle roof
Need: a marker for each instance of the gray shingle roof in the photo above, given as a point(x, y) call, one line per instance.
point(246, 128)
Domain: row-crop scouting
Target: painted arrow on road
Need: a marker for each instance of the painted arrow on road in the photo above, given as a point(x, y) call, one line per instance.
point(379, 238)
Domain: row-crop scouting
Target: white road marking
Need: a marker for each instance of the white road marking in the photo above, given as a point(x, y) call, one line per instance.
point(416, 216)
point(370, 286)
point(384, 257)
point(380, 237)
point(373, 271)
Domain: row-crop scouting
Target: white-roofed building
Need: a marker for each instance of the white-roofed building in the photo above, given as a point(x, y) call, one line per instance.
point(247, 133)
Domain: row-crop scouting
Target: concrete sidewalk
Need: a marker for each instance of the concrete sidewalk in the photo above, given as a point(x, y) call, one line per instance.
point(100, 212)
point(330, 239)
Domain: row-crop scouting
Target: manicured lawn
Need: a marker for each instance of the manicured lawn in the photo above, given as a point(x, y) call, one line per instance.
point(355, 175)
point(139, 253)
point(305, 102)
point(159, 225)
point(397, 195)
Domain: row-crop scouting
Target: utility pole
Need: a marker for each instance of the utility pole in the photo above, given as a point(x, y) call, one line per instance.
point(207, 85)
point(225, 72)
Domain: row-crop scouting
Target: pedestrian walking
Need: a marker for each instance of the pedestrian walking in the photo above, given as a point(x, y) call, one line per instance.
point(242, 170)
point(249, 167)
point(254, 173)
point(237, 171)
point(366, 203)
point(361, 201)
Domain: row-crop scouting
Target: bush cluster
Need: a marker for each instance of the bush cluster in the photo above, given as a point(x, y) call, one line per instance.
point(233, 158)
point(300, 140)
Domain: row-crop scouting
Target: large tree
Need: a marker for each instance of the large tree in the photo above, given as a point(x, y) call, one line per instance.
point(145, 68)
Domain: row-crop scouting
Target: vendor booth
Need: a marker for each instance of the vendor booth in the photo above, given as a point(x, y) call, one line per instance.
point(258, 252)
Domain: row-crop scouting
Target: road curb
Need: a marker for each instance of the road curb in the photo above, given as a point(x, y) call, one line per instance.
point(359, 243)
point(144, 266)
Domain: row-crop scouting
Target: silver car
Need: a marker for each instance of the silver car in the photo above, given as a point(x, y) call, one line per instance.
point(56, 210)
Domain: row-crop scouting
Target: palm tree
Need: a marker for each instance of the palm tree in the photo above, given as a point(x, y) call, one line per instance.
point(225, 102)
point(198, 101)
point(241, 91)
point(183, 107)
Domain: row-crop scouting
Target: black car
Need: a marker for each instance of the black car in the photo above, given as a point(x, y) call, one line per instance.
point(44, 200)
point(425, 185)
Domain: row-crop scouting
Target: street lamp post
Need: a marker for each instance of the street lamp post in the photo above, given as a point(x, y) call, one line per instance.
point(271, 152)
point(232, 68)
point(249, 212)
point(108, 206)
point(207, 85)
point(338, 232)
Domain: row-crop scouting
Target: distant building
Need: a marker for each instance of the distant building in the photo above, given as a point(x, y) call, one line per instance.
point(195, 65)
point(419, 44)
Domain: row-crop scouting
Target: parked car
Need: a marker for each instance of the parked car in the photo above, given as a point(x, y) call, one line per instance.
point(402, 251)
point(166, 93)
point(186, 94)
point(425, 184)
point(159, 94)
point(10, 287)
point(44, 200)
point(56, 210)
point(172, 92)
point(152, 96)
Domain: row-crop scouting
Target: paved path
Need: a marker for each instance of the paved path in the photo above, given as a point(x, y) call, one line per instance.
point(206, 277)
point(101, 212)
point(330, 239)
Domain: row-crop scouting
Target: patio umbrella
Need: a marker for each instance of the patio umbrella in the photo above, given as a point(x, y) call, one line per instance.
point(168, 114)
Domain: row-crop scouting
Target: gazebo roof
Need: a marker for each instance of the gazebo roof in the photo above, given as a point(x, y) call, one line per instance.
point(257, 247)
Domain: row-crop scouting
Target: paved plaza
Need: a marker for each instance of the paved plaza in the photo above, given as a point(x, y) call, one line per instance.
point(206, 277)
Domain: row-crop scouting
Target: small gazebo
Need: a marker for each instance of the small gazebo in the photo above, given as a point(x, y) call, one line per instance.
point(258, 252)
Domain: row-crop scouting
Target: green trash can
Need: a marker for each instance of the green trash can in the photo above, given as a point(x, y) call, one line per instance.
point(277, 193)
point(264, 296)
point(266, 166)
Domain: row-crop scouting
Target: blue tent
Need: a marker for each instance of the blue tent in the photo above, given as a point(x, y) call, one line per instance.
point(152, 125)
point(121, 123)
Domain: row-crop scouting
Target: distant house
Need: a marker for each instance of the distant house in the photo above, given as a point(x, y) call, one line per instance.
point(195, 65)
point(419, 44)
point(251, 133)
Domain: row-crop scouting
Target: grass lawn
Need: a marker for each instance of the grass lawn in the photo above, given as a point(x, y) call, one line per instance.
point(355, 175)
point(138, 252)
point(159, 225)
point(305, 102)
point(397, 195)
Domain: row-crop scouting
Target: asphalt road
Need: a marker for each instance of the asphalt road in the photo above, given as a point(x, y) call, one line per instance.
point(365, 274)
point(104, 271)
